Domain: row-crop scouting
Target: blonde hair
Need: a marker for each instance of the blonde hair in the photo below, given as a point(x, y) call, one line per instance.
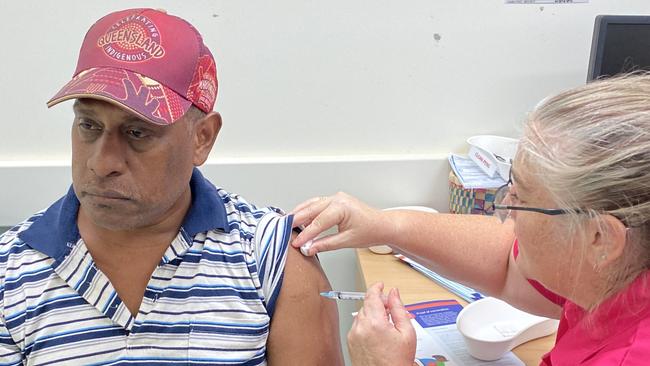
point(590, 148)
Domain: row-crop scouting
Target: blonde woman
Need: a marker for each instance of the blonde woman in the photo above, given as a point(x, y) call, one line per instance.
point(570, 235)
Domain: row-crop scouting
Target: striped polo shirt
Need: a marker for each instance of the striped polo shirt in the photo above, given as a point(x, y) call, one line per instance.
point(209, 301)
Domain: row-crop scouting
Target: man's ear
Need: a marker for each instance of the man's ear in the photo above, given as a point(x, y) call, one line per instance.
point(608, 242)
point(206, 131)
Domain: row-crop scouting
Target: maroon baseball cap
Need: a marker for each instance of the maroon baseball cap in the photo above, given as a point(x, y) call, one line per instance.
point(147, 61)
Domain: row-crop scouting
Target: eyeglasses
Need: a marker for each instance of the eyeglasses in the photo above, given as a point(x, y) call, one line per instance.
point(501, 207)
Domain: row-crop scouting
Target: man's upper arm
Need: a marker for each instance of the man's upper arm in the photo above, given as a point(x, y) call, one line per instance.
point(305, 325)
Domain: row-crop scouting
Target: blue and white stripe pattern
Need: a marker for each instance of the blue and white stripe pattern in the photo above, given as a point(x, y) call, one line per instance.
point(209, 301)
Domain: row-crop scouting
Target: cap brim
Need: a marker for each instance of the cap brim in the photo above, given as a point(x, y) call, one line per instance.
point(145, 97)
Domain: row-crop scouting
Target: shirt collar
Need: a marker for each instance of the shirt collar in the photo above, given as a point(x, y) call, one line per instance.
point(207, 211)
point(55, 232)
point(613, 321)
point(616, 313)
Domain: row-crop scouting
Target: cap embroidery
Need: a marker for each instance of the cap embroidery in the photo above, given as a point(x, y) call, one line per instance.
point(134, 38)
point(203, 89)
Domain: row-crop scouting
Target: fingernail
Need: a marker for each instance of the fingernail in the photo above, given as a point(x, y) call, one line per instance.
point(304, 249)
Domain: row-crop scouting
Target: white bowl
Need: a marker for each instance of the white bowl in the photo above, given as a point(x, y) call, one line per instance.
point(385, 249)
point(491, 328)
point(493, 154)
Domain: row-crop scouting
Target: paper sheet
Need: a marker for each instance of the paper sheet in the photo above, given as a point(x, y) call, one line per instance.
point(466, 293)
point(438, 340)
point(470, 175)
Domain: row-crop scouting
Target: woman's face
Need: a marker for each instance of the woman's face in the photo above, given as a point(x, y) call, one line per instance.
point(546, 254)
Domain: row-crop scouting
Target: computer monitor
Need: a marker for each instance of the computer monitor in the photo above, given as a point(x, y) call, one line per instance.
point(620, 43)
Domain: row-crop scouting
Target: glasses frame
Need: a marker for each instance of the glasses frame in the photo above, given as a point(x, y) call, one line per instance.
point(545, 211)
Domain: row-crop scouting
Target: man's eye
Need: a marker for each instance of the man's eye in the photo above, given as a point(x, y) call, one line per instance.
point(137, 134)
point(85, 124)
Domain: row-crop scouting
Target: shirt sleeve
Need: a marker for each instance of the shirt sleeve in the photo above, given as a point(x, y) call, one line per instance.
point(10, 353)
point(550, 295)
point(271, 243)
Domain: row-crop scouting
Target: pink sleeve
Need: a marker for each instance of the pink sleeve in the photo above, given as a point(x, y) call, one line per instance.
point(551, 296)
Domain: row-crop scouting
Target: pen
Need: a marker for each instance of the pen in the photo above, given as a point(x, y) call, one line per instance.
point(344, 295)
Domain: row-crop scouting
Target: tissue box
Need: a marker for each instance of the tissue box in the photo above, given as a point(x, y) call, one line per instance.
point(468, 201)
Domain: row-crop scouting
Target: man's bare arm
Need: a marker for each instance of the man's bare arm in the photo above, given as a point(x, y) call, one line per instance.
point(305, 326)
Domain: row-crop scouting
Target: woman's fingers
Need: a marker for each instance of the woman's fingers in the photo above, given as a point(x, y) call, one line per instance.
point(306, 203)
point(373, 340)
point(373, 305)
point(399, 314)
point(320, 218)
point(306, 212)
point(358, 224)
point(325, 244)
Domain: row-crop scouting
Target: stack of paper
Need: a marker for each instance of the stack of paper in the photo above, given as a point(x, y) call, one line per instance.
point(466, 293)
point(470, 175)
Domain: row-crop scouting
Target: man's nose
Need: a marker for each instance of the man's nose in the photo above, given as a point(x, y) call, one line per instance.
point(108, 158)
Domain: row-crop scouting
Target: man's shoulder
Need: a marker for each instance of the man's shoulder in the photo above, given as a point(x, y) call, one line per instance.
point(11, 237)
point(15, 254)
point(243, 214)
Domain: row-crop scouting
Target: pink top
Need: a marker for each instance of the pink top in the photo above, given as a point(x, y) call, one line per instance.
point(616, 333)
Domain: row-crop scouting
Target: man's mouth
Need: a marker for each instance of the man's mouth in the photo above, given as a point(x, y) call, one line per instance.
point(106, 194)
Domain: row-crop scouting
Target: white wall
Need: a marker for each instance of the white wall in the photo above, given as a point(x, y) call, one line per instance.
point(317, 96)
point(339, 77)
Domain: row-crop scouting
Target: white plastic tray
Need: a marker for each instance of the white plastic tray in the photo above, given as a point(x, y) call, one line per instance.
point(492, 327)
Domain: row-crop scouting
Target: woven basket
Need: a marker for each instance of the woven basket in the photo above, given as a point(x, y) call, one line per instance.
point(468, 201)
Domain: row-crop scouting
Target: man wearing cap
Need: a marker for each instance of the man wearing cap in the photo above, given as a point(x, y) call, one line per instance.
point(144, 261)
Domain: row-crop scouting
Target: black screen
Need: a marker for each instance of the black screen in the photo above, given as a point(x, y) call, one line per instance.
point(627, 48)
point(620, 43)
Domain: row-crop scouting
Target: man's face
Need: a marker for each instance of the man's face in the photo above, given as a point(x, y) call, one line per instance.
point(128, 173)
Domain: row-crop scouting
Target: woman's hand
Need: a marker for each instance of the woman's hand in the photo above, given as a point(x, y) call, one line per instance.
point(374, 340)
point(359, 225)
